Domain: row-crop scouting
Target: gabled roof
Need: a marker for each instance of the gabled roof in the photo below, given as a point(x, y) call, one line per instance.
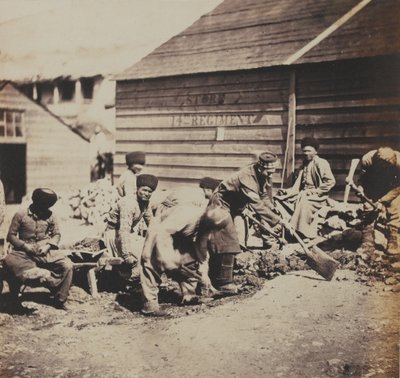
point(4, 85)
point(246, 34)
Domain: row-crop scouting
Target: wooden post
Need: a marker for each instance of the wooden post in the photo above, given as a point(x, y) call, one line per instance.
point(56, 94)
point(35, 92)
point(91, 277)
point(289, 160)
point(78, 92)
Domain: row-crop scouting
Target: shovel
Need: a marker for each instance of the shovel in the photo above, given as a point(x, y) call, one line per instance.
point(317, 259)
point(361, 193)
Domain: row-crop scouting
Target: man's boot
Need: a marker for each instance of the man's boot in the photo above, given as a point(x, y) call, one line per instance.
point(367, 247)
point(153, 309)
point(224, 278)
point(393, 247)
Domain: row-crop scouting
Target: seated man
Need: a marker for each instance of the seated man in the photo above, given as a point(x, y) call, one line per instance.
point(122, 235)
point(34, 236)
point(310, 191)
point(170, 248)
point(380, 180)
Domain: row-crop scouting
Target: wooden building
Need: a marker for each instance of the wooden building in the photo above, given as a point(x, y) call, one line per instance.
point(37, 149)
point(257, 75)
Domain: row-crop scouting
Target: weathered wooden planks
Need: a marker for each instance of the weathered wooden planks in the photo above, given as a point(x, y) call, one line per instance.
point(55, 156)
point(186, 141)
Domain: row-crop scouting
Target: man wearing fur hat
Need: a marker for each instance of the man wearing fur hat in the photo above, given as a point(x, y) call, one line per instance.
point(34, 235)
point(310, 191)
point(251, 186)
point(122, 237)
point(380, 180)
point(127, 181)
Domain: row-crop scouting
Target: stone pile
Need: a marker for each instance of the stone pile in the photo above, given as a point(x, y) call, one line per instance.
point(93, 202)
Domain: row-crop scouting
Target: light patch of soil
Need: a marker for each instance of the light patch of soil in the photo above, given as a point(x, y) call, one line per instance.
point(296, 325)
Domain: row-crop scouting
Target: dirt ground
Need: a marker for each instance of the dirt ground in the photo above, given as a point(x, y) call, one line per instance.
point(296, 325)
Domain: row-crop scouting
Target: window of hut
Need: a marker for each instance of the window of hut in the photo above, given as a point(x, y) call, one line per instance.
point(11, 124)
point(45, 92)
point(27, 89)
point(87, 85)
point(66, 89)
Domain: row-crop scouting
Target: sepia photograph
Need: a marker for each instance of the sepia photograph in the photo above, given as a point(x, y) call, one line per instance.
point(199, 188)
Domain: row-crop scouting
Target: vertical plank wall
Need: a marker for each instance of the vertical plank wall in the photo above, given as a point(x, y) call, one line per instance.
point(351, 107)
point(202, 125)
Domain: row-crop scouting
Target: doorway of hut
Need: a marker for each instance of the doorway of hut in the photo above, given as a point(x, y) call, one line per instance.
point(13, 171)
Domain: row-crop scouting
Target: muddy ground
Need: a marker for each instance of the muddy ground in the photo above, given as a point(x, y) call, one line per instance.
point(295, 325)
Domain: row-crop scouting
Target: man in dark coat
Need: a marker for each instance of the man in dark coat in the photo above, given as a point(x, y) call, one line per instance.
point(251, 186)
point(34, 235)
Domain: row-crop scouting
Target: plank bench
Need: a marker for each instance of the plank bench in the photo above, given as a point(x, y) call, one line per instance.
point(92, 268)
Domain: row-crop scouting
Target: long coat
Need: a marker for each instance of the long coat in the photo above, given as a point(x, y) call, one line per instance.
point(311, 199)
point(244, 188)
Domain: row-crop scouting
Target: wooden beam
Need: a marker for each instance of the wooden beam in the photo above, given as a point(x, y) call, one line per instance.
point(92, 281)
point(327, 32)
point(289, 161)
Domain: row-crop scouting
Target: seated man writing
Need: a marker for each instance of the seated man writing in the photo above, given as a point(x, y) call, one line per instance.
point(34, 235)
point(310, 191)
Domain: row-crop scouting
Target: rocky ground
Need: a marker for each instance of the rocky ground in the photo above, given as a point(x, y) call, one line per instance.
point(287, 322)
point(295, 325)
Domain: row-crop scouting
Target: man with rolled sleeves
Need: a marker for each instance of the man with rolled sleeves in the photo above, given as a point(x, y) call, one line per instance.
point(34, 235)
point(127, 181)
point(251, 186)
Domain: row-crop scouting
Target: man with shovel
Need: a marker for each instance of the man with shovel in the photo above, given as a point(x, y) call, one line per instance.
point(251, 186)
point(381, 183)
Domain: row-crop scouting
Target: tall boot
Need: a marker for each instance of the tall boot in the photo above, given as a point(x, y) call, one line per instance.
point(367, 247)
point(224, 277)
point(393, 248)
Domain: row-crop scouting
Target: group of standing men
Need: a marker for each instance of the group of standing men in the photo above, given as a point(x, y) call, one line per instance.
point(194, 240)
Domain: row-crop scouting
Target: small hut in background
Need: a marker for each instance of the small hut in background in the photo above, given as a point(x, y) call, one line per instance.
point(37, 149)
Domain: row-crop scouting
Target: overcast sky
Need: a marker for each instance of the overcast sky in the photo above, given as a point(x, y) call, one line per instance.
point(11, 9)
point(81, 36)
